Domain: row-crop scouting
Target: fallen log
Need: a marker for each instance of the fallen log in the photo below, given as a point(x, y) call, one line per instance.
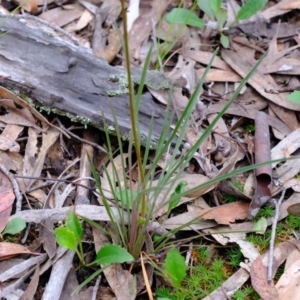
point(60, 77)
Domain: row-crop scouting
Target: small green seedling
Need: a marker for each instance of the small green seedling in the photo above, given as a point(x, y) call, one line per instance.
point(175, 268)
point(14, 226)
point(175, 196)
point(217, 14)
point(69, 236)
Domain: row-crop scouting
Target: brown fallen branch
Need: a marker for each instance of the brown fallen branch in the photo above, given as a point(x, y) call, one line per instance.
point(69, 80)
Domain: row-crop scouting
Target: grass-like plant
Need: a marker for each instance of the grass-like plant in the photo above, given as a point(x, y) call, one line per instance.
point(140, 204)
point(132, 211)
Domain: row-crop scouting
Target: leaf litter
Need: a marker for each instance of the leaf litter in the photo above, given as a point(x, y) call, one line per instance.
point(39, 153)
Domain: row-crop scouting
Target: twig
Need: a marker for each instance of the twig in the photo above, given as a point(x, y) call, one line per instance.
point(79, 138)
point(15, 187)
point(272, 241)
point(26, 233)
point(46, 204)
point(96, 287)
point(50, 181)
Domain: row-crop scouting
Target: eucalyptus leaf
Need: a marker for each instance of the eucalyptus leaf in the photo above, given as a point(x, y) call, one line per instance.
point(73, 223)
point(224, 41)
point(14, 226)
point(66, 238)
point(111, 254)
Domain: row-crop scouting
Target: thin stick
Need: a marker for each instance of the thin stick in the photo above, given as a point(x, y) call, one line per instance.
point(15, 187)
point(272, 241)
point(79, 138)
point(96, 287)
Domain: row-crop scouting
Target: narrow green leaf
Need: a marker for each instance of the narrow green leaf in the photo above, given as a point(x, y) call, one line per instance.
point(224, 41)
point(66, 238)
point(14, 226)
point(126, 197)
point(175, 196)
point(73, 223)
point(206, 7)
point(250, 8)
point(184, 16)
point(294, 97)
point(111, 254)
point(175, 267)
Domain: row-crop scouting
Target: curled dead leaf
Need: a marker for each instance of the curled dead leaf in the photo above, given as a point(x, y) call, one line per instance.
point(227, 213)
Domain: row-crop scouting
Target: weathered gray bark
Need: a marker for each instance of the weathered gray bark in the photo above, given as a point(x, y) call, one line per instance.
point(68, 78)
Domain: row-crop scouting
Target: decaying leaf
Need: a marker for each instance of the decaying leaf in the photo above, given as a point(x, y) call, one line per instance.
point(227, 213)
point(258, 272)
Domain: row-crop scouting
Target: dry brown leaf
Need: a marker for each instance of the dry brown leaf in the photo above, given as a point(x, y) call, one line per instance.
point(143, 25)
point(6, 94)
point(204, 57)
point(29, 5)
point(7, 198)
point(187, 217)
point(61, 17)
point(227, 213)
point(34, 157)
point(113, 47)
point(193, 180)
point(289, 144)
point(250, 113)
point(219, 75)
point(282, 7)
point(84, 20)
point(8, 250)
point(22, 117)
point(8, 144)
point(288, 285)
point(258, 272)
point(184, 70)
point(12, 131)
point(260, 82)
